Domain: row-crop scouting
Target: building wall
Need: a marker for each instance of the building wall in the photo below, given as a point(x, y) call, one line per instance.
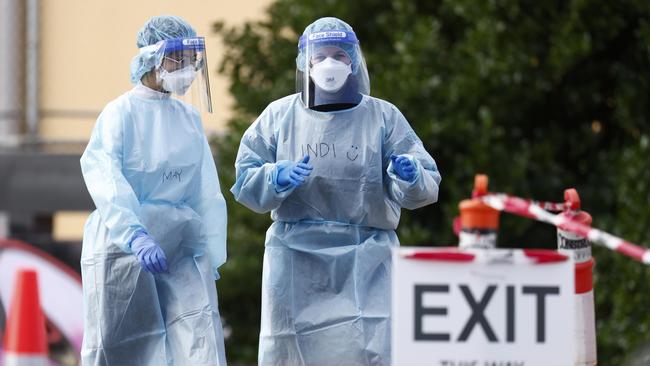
point(86, 48)
point(85, 51)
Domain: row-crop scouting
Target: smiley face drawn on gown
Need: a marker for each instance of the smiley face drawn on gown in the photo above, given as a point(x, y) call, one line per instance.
point(353, 153)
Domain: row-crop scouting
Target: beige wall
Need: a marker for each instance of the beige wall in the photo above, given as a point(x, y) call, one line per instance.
point(87, 45)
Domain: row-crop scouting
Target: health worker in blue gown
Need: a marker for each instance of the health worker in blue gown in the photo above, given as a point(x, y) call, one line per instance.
point(334, 166)
point(152, 248)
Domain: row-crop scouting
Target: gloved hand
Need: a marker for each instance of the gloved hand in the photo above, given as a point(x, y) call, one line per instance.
point(404, 167)
point(295, 173)
point(149, 253)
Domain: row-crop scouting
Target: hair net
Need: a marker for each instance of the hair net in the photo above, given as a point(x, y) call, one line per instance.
point(325, 24)
point(155, 30)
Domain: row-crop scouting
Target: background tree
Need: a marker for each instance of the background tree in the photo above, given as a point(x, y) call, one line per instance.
point(540, 95)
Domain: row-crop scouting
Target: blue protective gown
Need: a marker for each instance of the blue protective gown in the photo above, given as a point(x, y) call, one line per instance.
point(326, 278)
point(148, 166)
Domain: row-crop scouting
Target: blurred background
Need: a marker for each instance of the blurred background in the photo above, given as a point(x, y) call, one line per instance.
point(539, 95)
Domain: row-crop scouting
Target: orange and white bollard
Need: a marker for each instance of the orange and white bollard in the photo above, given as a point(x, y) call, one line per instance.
point(579, 248)
point(25, 342)
point(479, 222)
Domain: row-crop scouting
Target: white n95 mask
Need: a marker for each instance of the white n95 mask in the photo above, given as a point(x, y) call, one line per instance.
point(179, 81)
point(330, 74)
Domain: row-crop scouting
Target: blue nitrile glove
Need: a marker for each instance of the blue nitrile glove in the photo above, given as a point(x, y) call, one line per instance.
point(295, 173)
point(149, 253)
point(404, 167)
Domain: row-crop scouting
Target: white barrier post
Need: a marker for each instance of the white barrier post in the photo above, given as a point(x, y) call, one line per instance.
point(579, 248)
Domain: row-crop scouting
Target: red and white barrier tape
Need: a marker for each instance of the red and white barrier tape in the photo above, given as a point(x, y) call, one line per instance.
point(549, 206)
point(526, 208)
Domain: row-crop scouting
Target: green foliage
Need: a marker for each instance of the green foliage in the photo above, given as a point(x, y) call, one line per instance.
point(539, 95)
point(622, 287)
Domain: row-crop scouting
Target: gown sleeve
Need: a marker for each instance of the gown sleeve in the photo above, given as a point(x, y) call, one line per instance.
point(209, 203)
point(400, 139)
point(101, 166)
point(256, 168)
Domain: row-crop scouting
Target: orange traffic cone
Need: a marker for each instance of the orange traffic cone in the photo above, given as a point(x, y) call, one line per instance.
point(25, 342)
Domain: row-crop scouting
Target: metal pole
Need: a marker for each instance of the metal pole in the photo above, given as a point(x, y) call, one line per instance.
point(4, 225)
point(12, 70)
point(32, 77)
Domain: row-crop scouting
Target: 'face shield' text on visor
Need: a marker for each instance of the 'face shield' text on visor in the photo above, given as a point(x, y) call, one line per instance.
point(330, 69)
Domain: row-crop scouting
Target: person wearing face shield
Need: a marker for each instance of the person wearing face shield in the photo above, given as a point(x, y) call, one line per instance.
point(152, 247)
point(334, 166)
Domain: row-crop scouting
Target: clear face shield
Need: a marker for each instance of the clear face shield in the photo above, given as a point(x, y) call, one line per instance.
point(331, 69)
point(181, 70)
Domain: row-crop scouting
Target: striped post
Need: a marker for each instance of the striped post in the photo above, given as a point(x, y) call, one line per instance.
point(579, 248)
point(478, 222)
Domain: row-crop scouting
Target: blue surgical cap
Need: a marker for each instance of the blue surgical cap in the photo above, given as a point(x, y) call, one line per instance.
point(157, 29)
point(326, 24)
